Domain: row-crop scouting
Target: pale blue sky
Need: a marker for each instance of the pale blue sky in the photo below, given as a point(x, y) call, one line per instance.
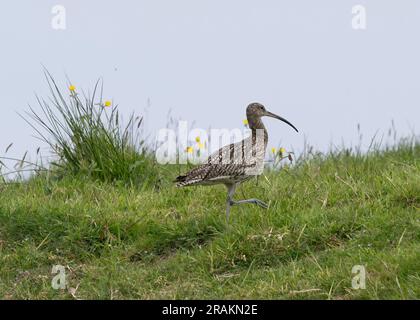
point(206, 60)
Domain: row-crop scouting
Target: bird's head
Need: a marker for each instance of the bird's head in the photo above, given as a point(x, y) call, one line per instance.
point(256, 110)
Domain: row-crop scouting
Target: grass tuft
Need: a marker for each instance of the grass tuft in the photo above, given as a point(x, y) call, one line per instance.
point(88, 136)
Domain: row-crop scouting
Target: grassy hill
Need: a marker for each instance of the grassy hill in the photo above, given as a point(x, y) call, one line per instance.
point(326, 215)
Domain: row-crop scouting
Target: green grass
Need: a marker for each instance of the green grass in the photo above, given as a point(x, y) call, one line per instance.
point(326, 215)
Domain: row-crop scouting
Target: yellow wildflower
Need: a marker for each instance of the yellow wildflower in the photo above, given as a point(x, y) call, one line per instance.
point(197, 139)
point(189, 150)
point(245, 122)
point(282, 151)
point(273, 150)
point(200, 145)
point(107, 103)
point(72, 88)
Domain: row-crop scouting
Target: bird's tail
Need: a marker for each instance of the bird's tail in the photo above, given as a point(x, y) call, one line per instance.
point(186, 180)
point(181, 181)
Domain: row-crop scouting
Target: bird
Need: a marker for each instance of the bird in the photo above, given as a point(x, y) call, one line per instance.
point(236, 162)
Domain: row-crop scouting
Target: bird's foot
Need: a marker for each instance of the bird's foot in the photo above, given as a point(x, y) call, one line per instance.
point(253, 201)
point(260, 203)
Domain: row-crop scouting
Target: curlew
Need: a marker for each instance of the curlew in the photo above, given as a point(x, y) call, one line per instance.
point(236, 162)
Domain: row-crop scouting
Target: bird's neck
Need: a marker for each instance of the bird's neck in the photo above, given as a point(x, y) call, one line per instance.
point(257, 127)
point(255, 123)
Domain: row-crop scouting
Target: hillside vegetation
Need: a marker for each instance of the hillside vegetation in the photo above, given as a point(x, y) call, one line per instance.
point(327, 214)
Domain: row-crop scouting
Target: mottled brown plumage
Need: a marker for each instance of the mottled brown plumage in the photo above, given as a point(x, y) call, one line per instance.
point(236, 162)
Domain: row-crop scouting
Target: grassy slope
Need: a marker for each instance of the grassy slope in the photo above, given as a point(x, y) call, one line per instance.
point(325, 216)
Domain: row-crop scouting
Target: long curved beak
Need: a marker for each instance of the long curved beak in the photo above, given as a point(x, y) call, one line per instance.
point(272, 115)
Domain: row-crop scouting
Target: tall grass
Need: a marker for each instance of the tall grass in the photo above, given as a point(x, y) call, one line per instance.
point(88, 136)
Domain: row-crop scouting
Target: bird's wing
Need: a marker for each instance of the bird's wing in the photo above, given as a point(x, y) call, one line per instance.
point(228, 163)
point(241, 153)
point(211, 173)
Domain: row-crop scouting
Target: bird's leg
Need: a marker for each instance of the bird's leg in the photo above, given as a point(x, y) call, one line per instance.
point(229, 202)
